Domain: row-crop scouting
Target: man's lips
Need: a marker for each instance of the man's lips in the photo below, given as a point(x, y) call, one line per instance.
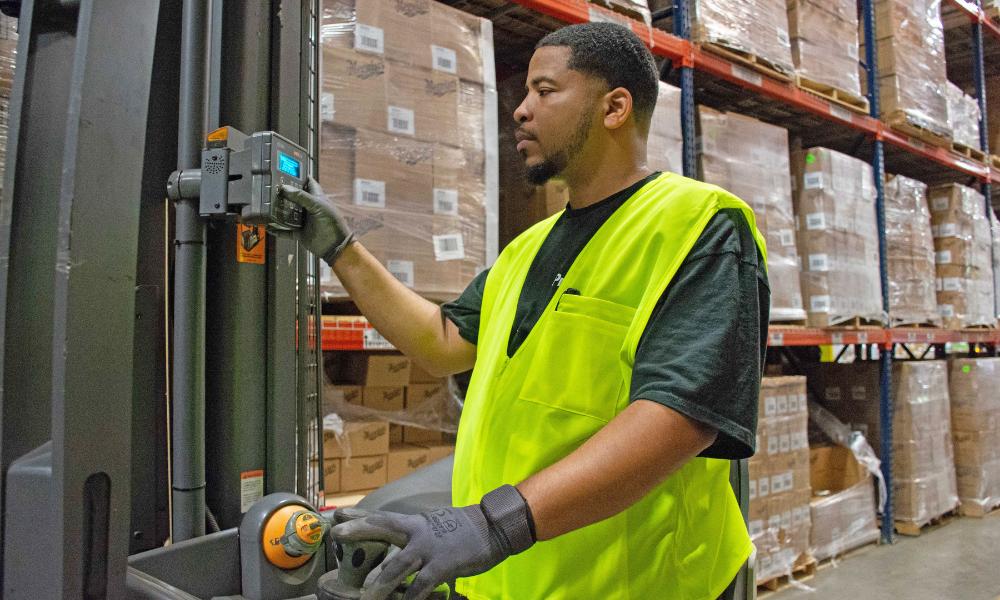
point(523, 139)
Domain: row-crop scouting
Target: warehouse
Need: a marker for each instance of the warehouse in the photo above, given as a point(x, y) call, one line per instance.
point(499, 299)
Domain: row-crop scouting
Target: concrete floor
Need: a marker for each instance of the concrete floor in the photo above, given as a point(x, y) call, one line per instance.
point(958, 561)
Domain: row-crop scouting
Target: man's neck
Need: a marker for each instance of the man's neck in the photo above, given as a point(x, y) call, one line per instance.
point(591, 188)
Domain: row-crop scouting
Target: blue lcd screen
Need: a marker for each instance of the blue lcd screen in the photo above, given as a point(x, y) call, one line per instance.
point(287, 164)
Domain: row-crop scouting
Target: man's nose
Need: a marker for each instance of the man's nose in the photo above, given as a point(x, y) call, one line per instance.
point(521, 113)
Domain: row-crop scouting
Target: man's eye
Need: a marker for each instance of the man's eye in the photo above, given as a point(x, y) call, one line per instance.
point(544, 92)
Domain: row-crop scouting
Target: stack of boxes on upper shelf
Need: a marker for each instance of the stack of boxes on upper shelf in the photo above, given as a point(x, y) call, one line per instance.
point(408, 140)
point(910, 253)
point(8, 56)
point(384, 418)
point(825, 46)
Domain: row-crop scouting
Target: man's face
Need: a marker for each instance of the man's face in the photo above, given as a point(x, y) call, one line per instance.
point(556, 117)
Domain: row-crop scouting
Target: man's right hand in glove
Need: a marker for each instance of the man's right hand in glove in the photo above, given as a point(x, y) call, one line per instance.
point(324, 233)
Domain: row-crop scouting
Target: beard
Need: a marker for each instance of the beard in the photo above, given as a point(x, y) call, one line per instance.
point(555, 163)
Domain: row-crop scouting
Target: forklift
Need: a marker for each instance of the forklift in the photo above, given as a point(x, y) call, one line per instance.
point(160, 325)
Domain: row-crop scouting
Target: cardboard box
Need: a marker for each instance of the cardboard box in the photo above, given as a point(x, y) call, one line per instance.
point(347, 500)
point(427, 396)
point(339, 395)
point(973, 384)
point(419, 435)
point(405, 459)
point(824, 36)
point(843, 505)
point(439, 451)
point(373, 370)
point(360, 438)
point(750, 159)
point(386, 399)
point(353, 88)
point(331, 475)
point(758, 27)
point(419, 375)
point(395, 434)
point(364, 472)
point(910, 253)
point(422, 104)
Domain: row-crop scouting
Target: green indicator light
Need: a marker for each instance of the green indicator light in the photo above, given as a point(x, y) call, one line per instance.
point(966, 369)
point(810, 158)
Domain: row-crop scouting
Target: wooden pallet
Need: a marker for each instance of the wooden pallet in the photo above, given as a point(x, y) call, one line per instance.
point(901, 122)
point(853, 102)
point(978, 512)
point(853, 552)
point(790, 324)
point(915, 529)
point(922, 325)
point(857, 323)
point(966, 151)
point(995, 160)
point(750, 61)
point(804, 570)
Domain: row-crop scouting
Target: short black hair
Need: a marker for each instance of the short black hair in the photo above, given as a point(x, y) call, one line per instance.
point(615, 54)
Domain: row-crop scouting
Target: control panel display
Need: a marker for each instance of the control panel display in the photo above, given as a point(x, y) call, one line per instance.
point(289, 166)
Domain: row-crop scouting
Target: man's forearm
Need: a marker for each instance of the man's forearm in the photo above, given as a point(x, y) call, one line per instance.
point(412, 324)
point(614, 469)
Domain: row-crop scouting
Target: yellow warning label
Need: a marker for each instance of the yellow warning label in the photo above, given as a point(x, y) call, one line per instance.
point(250, 243)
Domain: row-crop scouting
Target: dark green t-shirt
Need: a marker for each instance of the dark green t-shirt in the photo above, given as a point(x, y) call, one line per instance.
point(702, 353)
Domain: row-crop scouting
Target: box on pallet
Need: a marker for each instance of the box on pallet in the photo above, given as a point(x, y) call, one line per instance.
point(525, 204)
point(408, 138)
point(8, 57)
point(910, 255)
point(923, 465)
point(963, 117)
point(750, 159)
point(367, 369)
point(911, 64)
point(824, 36)
point(963, 254)
point(993, 108)
point(975, 407)
point(837, 237)
point(344, 439)
point(842, 508)
point(779, 478)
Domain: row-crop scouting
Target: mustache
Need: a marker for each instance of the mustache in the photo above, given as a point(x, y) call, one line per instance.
point(524, 134)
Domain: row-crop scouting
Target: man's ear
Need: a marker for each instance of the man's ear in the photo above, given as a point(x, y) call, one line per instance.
point(618, 107)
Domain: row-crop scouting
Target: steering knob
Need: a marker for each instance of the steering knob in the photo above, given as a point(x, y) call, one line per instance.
point(355, 560)
point(292, 535)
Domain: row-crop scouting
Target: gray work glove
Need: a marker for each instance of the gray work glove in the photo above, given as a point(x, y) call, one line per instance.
point(445, 543)
point(324, 233)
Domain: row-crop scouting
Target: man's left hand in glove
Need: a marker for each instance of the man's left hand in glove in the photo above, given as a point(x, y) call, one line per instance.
point(446, 543)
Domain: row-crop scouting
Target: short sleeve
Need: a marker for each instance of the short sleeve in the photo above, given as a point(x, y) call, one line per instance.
point(702, 352)
point(465, 310)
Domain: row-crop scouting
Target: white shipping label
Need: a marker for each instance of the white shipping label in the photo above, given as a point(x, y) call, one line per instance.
point(751, 77)
point(951, 284)
point(787, 237)
point(401, 120)
point(756, 527)
point(943, 257)
point(815, 221)
point(251, 488)
point(782, 404)
point(813, 181)
point(326, 106)
point(373, 340)
point(369, 39)
point(947, 310)
point(449, 247)
point(783, 38)
point(819, 262)
point(945, 230)
point(369, 193)
point(445, 202)
point(841, 113)
point(753, 489)
point(401, 270)
point(819, 304)
point(773, 444)
point(764, 486)
point(776, 484)
point(785, 444)
point(832, 394)
point(852, 51)
point(859, 392)
point(789, 478)
point(939, 203)
point(770, 406)
point(444, 59)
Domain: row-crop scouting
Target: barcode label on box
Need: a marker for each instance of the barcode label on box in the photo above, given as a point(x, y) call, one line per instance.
point(764, 486)
point(369, 193)
point(852, 51)
point(373, 340)
point(815, 221)
point(945, 230)
point(444, 59)
point(449, 247)
point(819, 304)
point(942, 257)
point(939, 203)
point(369, 39)
point(859, 392)
point(951, 284)
point(445, 202)
point(819, 262)
point(326, 106)
point(401, 120)
point(401, 270)
point(783, 38)
point(786, 443)
point(782, 404)
point(787, 237)
point(777, 488)
point(756, 526)
point(753, 489)
point(832, 394)
point(813, 181)
point(747, 75)
point(947, 310)
point(770, 407)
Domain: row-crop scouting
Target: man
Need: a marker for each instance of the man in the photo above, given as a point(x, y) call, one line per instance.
point(617, 352)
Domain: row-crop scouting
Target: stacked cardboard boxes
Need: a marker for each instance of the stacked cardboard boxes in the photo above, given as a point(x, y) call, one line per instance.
point(962, 243)
point(825, 42)
point(910, 256)
point(963, 117)
point(924, 484)
point(8, 57)
point(750, 159)
point(524, 204)
point(842, 508)
point(408, 140)
point(757, 27)
point(975, 427)
point(779, 478)
point(993, 108)
point(911, 64)
point(837, 237)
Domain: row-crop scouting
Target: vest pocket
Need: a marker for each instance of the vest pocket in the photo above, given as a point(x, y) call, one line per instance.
point(576, 365)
